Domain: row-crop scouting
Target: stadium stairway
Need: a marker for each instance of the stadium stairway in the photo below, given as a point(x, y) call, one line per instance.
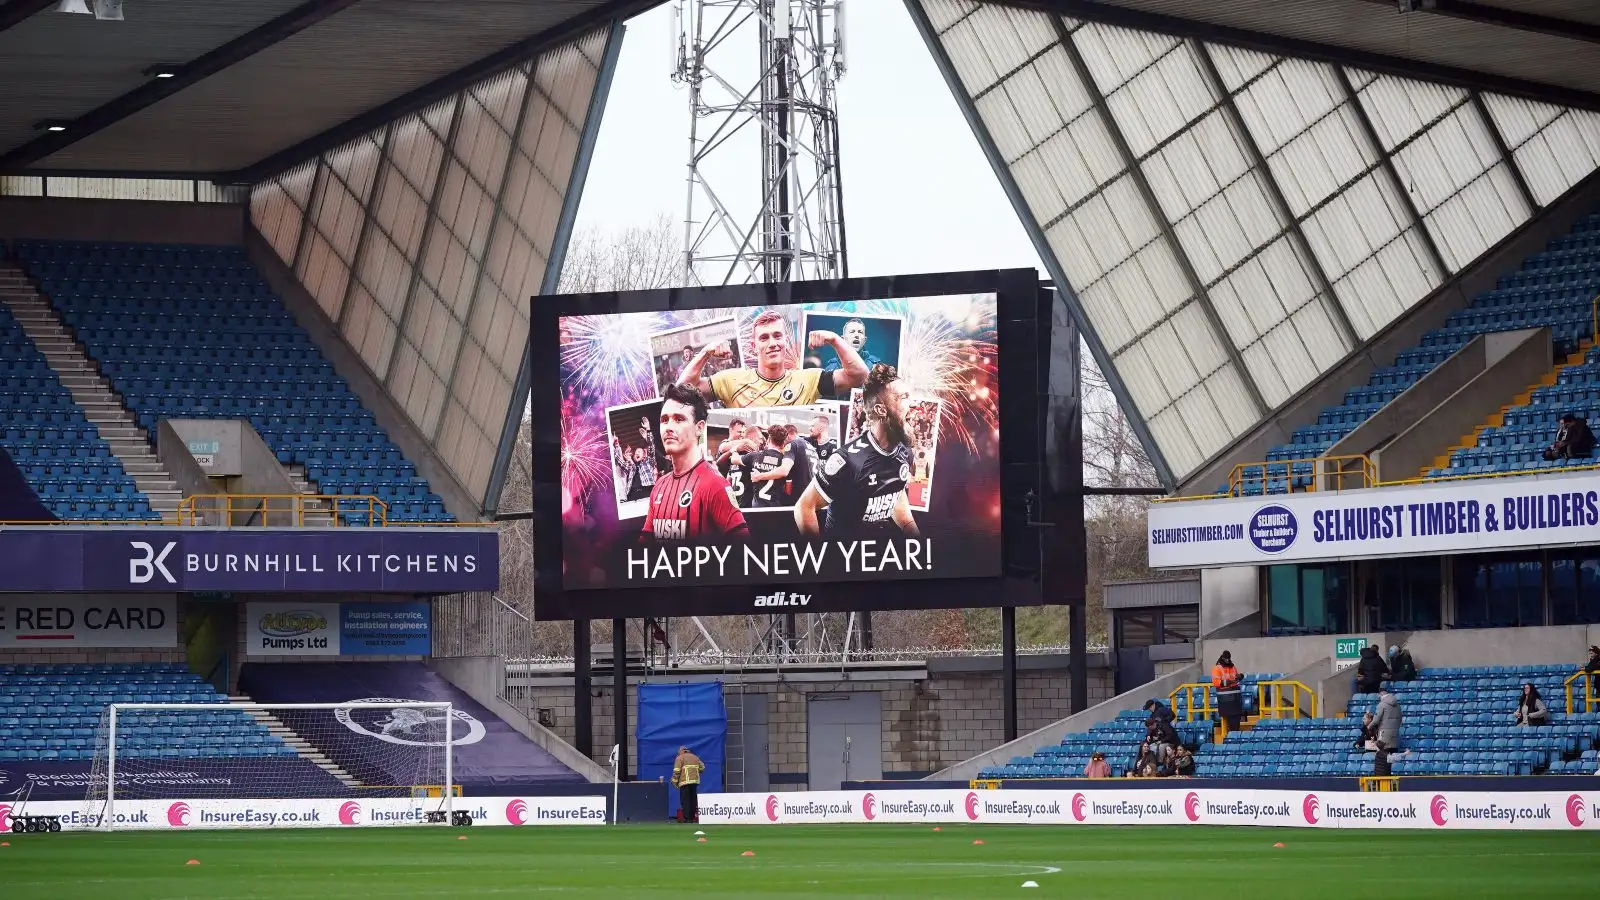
point(186, 331)
point(291, 739)
point(1553, 288)
point(1513, 440)
point(92, 393)
point(1455, 722)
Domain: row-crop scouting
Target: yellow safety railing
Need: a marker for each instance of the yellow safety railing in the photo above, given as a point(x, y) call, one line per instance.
point(1345, 480)
point(1380, 782)
point(1589, 699)
point(280, 510)
point(1285, 700)
point(1192, 710)
point(985, 784)
point(1274, 700)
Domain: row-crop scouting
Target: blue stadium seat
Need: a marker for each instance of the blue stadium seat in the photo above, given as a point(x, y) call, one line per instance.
point(53, 712)
point(194, 331)
point(1553, 288)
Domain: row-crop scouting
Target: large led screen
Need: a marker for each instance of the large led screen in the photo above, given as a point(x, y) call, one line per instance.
point(845, 440)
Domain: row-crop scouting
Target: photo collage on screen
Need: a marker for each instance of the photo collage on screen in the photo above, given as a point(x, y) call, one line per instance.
point(804, 422)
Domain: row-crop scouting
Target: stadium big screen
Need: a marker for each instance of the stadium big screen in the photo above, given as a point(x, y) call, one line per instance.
point(729, 449)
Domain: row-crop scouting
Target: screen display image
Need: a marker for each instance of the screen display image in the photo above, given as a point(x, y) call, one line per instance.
point(846, 440)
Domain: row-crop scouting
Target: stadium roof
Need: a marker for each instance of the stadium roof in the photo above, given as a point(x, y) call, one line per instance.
point(255, 87)
point(1238, 195)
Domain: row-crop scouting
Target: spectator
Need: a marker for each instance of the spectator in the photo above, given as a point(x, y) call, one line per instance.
point(1369, 735)
point(1386, 724)
point(1401, 666)
point(1370, 671)
point(1593, 665)
point(1574, 440)
point(1162, 731)
point(1182, 762)
point(1097, 767)
point(1531, 710)
point(1159, 710)
point(1225, 679)
point(1380, 760)
point(1152, 759)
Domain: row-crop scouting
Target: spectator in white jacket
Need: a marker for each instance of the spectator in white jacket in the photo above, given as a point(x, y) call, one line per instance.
point(1531, 710)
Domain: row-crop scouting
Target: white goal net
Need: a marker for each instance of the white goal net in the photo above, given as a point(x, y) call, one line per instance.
point(251, 758)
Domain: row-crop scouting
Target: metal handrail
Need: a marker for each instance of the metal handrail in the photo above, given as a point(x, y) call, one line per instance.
point(1591, 699)
point(1270, 702)
point(270, 510)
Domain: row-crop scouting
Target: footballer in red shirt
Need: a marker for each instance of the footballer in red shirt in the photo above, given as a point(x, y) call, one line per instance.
point(692, 501)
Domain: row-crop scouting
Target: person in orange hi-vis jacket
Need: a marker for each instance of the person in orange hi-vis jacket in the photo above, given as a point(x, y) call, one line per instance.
point(1226, 680)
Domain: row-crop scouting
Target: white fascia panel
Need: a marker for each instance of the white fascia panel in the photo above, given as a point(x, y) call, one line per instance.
point(1010, 40)
point(1237, 65)
point(1401, 107)
point(944, 13)
point(1115, 55)
point(1316, 164)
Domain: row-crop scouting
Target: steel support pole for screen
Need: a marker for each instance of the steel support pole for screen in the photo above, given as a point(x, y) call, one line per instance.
point(582, 690)
point(1078, 664)
point(1008, 669)
point(619, 711)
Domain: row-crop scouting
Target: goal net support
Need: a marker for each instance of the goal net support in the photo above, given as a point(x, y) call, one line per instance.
point(253, 764)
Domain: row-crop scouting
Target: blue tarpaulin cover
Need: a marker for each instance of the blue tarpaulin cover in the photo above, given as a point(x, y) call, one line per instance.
point(682, 715)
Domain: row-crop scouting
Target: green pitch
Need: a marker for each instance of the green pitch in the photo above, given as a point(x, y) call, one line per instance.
point(832, 862)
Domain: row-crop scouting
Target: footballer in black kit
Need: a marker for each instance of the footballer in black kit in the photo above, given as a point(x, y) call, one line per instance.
point(764, 489)
point(861, 489)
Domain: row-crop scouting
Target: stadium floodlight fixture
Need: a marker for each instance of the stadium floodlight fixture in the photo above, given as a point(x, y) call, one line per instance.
point(55, 125)
point(162, 71)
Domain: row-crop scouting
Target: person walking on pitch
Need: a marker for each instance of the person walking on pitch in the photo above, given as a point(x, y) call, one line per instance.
point(686, 771)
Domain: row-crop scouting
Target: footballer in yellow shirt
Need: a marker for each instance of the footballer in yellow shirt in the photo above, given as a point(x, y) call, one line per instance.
point(774, 382)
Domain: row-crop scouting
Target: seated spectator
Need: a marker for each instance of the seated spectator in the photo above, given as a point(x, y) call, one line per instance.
point(1531, 710)
point(1593, 665)
point(1370, 671)
point(1182, 762)
point(1386, 723)
point(1152, 759)
point(1369, 736)
point(1163, 732)
point(1097, 767)
point(1574, 440)
point(1159, 710)
point(1401, 666)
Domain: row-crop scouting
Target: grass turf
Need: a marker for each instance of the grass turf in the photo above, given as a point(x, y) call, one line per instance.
point(834, 862)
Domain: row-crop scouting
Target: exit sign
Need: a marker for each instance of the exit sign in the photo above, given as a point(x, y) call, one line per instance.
point(1347, 652)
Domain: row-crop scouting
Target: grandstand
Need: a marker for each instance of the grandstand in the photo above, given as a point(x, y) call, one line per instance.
point(1274, 228)
point(194, 332)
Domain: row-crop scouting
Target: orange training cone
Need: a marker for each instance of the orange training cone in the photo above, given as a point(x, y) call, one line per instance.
point(699, 840)
point(937, 828)
point(462, 838)
point(192, 862)
point(748, 853)
point(1278, 844)
point(976, 843)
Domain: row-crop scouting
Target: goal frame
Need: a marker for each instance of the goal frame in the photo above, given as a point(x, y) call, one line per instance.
point(108, 818)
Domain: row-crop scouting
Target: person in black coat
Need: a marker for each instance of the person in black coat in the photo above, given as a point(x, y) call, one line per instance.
point(1159, 710)
point(1370, 671)
point(1574, 439)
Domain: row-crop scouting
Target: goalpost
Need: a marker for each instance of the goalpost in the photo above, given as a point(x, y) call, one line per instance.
point(234, 755)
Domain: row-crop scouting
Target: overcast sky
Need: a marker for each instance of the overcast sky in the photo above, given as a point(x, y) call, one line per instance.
point(918, 194)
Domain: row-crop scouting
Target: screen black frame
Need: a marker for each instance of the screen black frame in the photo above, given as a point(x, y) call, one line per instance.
point(1023, 332)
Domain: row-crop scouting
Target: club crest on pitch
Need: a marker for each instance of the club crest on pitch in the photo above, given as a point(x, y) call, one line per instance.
point(408, 725)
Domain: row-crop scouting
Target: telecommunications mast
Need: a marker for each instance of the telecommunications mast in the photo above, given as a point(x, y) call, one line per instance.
point(762, 76)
